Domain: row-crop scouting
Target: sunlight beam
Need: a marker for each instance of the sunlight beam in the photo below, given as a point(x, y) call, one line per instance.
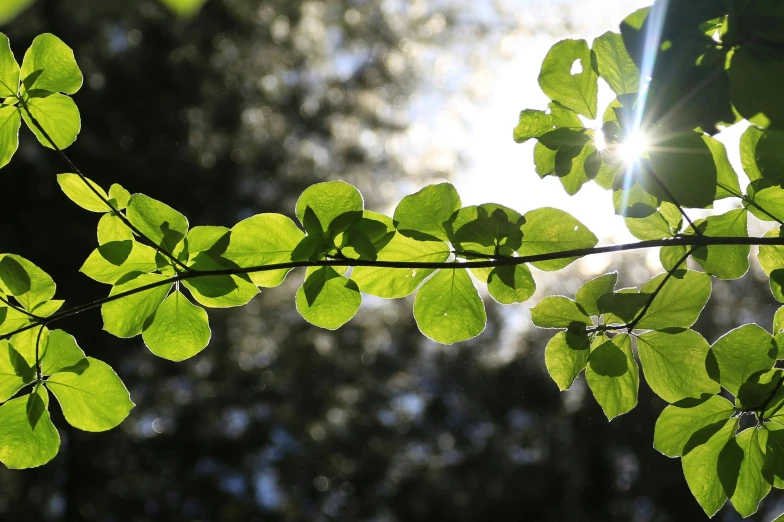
point(636, 142)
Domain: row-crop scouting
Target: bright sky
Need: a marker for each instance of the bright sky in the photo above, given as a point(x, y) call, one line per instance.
point(502, 171)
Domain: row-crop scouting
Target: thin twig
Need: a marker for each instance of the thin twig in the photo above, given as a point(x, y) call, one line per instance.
point(19, 309)
point(658, 289)
point(95, 191)
point(37, 358)
point(690, 240)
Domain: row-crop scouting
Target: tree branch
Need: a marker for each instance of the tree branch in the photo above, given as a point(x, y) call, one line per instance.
point(116, 211)
point(691, 240)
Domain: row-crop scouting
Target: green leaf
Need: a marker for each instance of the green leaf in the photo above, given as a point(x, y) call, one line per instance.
point(28, 438)
point(565, 356)
point(688, 72)
point(677, 425)
point(209, 239)
point(327, 202)
point(14, 277)
point(25, 343)
point(366, 236)
point(582, 169)
point(577, 92)
point(758, 388)
point(740, 353)
point(12, 319)
point(634, 201)
point(765, 200)
point(751, 486)
point(57, 114)
point(511, 284)
point(756, 74)
point(748, 152)
point(10, 121)
point(653, 226)
point(77, 191)
point(157, 221)
point(9, 69)
point(448, 308)
point(328, 299)
point(11, 8)
point(424, 215)
point(49, 65)
point(622, 306)
point(60, 352)
point(769, 157)
point(778, 320)
point(615, 66)
point(644, 216)
point(557, 311)
point(549, 230)
point(128, 316)
point(111, 228)
point(117, 260)
point(219, 291)
point(264, 239)
point(773, 468)
point(120, 196)
point(39, 286)
point(708, 487)
point(680, 301)
point(771, 257)
point(727, 184)
point(673, 363)
point(48, 308)
point(14, 371)
point(612, 374)
point(683, 163)
point(576, 160)
point(544, 159)
point(672, 256)
point(185, 8)
point(487, 229)
point(532, 124)
point(399, 282)
point(724, 262)
point(589, 294)
point(776, 282)
point(92, 397)
point(179, 329)
point(773, 405)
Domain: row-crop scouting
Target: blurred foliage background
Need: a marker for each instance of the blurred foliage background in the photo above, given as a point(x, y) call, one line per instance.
point(233, 111)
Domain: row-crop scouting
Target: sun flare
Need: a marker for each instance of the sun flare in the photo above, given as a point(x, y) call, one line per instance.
point(633, 147)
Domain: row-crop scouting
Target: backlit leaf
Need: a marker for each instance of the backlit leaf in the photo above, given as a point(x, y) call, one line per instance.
point(92, 396)
point(49, 65)
point(179, 329)
point(565, 356)
point(28, 438)
point(448, 308)
point(612, 374)
point(576, 91)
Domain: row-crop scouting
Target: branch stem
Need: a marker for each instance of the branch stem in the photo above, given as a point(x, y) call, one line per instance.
point(690, 240)
point(100, 196)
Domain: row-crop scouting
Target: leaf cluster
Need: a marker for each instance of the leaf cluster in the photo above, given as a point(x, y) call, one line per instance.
point(716, 63)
